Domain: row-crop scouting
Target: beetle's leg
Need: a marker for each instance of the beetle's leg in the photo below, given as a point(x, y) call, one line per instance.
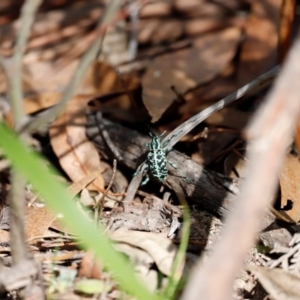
point(141, 170)
point(136, 173)
point(145, 181)
point(173, 165)
point(162, 133)
point(168, 150)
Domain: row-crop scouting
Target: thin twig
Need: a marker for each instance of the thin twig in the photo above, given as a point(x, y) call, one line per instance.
point(177, 93)
point(63, 236)
point(13, 66)
point(16, 218)
point(270, 133)
point(106, 137)
point(100, 202)
point(28, 13)
point(191, 123)
point(13, 71)
point(134, 8)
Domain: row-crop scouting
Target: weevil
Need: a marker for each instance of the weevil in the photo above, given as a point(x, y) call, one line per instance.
point(156, 161)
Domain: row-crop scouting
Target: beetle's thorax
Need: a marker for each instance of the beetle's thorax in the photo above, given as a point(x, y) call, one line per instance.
point(158, 164)
point(155, 144)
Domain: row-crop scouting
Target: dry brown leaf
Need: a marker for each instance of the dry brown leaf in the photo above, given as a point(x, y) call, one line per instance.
point(36, 102)
point(59, 225)
point(37, 221)
point(90, 267)
point(199, 26)
point(41, 77)
point(77, 155)
point(196, 8)
point(78, 186)
point(100, 78)
point(159, 30)
point(158, 246)
point(289, 178)
point(187, 68)
point(230, 118)
point(297, 135)
point(60, 21)
point(210, 148)
point(259, 49)
point(156, 9)
point(280, 284)
point(143, 264)
point(290, 190)
point(159, 24)
point(4, 236)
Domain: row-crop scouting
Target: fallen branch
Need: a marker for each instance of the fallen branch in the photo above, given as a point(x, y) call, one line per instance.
point(210, 190)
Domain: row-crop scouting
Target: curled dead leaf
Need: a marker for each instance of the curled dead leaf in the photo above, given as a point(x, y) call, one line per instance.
point(38, 220)
point(280, 284)
point(89, 267)
point(158, 246)
point(77, 155)
point(290, 190)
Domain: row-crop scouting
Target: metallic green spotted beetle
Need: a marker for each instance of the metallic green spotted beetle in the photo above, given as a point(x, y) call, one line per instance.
point(156, 161)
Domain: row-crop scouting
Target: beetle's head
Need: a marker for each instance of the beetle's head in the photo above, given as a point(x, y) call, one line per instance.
point(155, 142)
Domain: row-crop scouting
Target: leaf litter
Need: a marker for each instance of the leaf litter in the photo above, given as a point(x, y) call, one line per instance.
point(223, 48)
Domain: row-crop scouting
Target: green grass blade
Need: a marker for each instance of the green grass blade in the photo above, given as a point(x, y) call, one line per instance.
point(175, 277)
point(31, 166)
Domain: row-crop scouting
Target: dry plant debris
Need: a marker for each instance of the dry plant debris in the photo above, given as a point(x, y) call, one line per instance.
point(160, 64)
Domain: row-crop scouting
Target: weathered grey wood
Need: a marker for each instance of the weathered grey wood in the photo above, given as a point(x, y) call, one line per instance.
point(210, 190)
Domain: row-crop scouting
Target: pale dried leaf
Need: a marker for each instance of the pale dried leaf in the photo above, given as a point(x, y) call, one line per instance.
point(37, 221)
point(90, 267)
point(279, 284)
point(77, 155)
point(78, 186)
point(290, 191)
point(37, 102)
point(4, 236)
point(158, 246)
point(142, 262)
point(86, 199)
